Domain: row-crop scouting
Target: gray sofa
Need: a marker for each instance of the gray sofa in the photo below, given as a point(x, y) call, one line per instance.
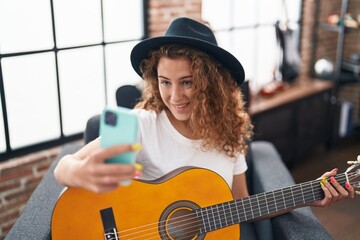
point(264, 161)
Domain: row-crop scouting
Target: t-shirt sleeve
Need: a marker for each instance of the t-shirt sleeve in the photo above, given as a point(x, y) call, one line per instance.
point(240, 165)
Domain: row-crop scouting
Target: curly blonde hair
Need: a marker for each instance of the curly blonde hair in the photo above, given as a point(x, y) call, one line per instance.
point(219, 117)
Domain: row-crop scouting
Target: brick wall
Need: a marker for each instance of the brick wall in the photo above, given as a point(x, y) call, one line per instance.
point(327, 46)
point(352, 39)
point(18, 179)
point(161, 12)
point(323, 44)
point(307, 46)
point(327, 40)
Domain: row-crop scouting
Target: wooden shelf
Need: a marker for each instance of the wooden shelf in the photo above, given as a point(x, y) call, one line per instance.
point(295, 92)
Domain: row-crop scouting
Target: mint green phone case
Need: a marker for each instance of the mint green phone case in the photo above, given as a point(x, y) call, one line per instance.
point(118, 126)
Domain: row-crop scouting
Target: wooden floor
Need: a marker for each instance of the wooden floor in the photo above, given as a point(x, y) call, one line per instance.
point(342, 219)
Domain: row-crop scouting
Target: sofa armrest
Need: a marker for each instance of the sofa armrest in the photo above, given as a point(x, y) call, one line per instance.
point(34, 222)
point(270, 173)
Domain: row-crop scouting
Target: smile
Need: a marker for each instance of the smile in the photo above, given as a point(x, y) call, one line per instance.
point(181, 106)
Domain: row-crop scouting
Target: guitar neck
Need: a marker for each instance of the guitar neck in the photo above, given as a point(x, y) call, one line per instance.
point(246, 209)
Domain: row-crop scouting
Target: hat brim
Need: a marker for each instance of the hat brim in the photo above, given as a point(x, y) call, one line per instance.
point(142, 49)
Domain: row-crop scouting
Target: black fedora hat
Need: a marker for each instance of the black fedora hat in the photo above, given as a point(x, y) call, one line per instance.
point(191, 33)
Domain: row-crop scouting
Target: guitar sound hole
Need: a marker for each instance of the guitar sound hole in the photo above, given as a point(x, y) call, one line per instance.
point(178, 221)
point(182, 225)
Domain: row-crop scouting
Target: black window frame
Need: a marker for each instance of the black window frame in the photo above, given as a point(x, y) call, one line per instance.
point(11, 153)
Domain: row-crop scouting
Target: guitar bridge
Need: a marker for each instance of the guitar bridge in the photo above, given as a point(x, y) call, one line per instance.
point(109, 225)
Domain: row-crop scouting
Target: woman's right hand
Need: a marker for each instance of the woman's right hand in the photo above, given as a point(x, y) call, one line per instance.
point(87, 168)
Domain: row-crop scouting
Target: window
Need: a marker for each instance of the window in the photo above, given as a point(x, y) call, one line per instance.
point(61, 62)
point(246, 29)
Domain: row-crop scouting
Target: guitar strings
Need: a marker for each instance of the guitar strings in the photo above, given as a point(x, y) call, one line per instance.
point(179, 221)
point(193, 233)
point(221, 213)
point(190, 234)
point(156, 236)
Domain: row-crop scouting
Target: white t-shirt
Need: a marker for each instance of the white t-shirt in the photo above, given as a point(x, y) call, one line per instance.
point(164, 149)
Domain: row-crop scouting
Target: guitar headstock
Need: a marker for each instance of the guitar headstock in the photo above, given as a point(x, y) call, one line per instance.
point(353, 173)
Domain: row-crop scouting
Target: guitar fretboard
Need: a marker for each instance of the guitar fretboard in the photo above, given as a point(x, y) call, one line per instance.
point(233, 212)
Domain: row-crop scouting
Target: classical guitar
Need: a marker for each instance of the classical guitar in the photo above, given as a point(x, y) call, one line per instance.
point(187, 204)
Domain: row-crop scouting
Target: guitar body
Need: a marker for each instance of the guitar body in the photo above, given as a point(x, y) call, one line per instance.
point(145, 210)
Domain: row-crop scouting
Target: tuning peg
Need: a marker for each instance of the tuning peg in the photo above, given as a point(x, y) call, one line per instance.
point(354, 162)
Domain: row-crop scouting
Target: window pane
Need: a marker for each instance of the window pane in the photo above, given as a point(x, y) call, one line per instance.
point(244, 13)
point(118, 69)
point(2, 131)
point(217, 13)
point(251, 34)
point(82, 93)
point(77, 22)
point(293, 9)
point(123, 20)
point(31, 98)
point(241, 44)
point(266, 55)
point(224, 40)
point(22, 30)
point(269, 11)
point(244, 48)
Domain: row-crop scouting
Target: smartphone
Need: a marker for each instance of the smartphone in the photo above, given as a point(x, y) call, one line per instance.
point(118, 125)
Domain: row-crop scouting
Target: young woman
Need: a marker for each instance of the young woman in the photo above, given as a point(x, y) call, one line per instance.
point(192, 114)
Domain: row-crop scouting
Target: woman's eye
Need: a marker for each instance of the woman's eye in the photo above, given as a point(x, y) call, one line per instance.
point(165, 83)
point(187, 83)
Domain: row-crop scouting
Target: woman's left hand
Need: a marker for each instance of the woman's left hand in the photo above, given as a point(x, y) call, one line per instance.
point(333, 191)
